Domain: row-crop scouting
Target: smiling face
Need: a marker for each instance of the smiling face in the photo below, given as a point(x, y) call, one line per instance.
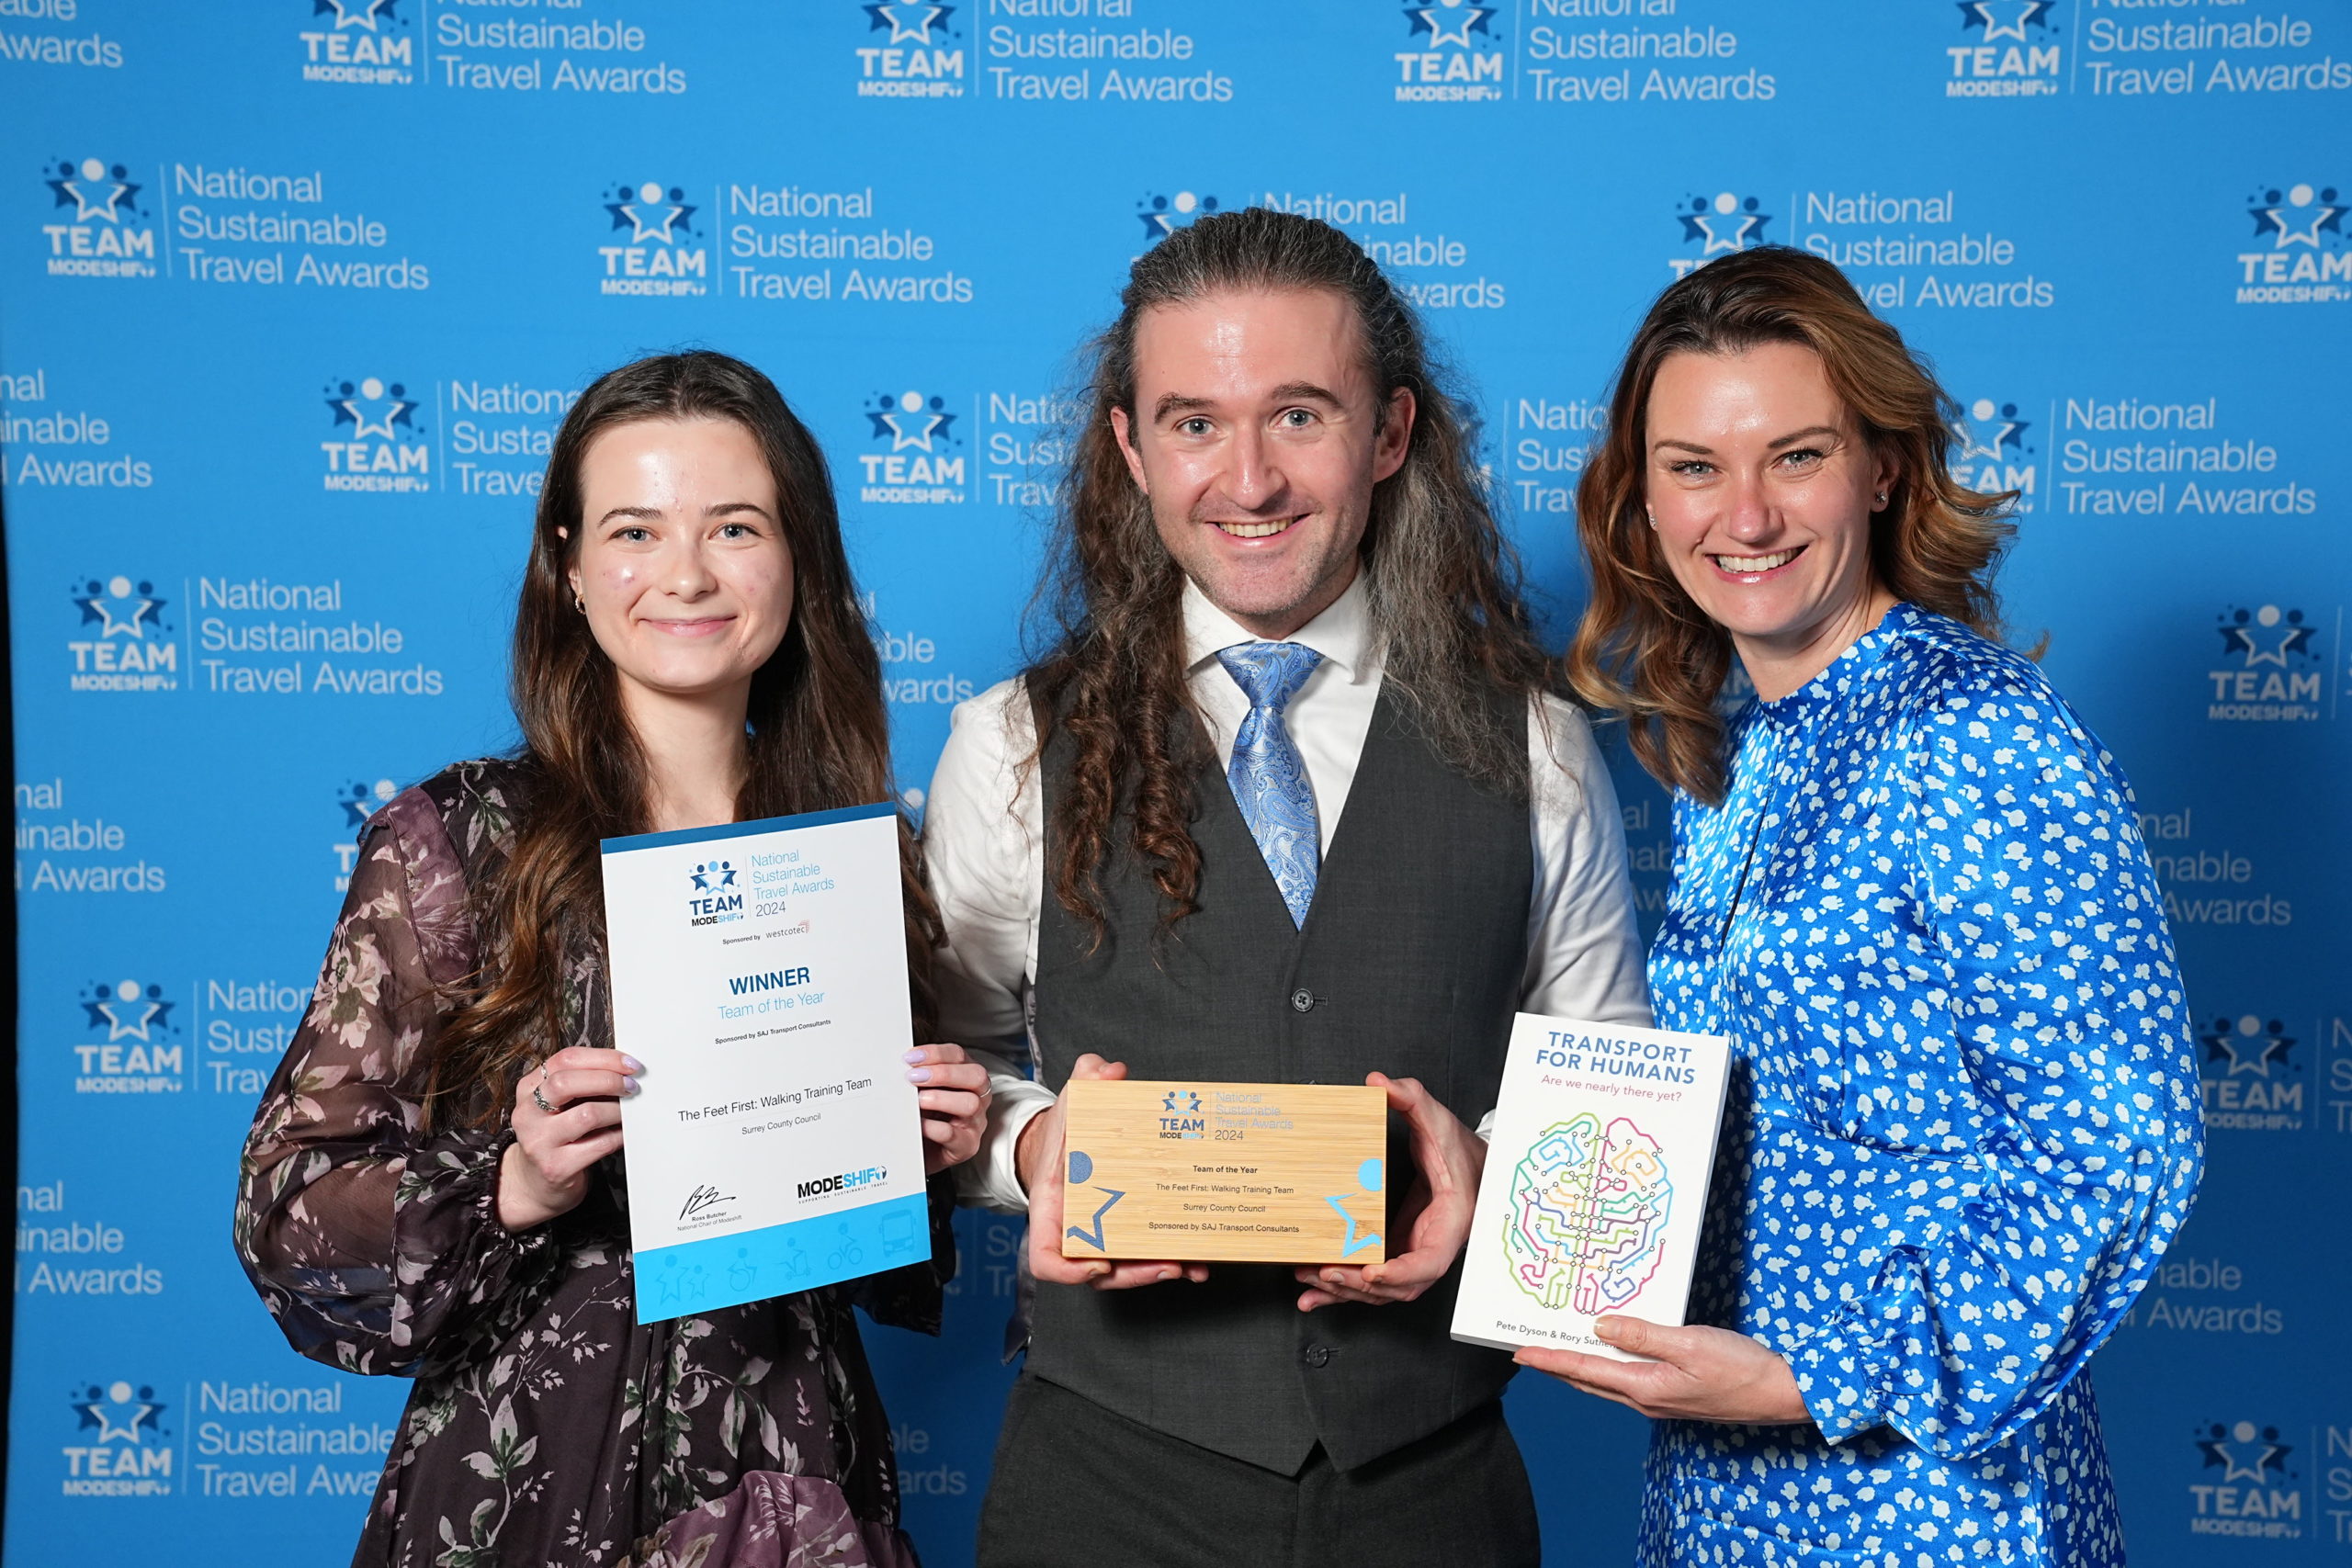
point(1257, 436)
point(1761, 489)
point(682, 564)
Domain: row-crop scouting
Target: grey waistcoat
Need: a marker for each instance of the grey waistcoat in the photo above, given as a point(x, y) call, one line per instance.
point(1410, 963)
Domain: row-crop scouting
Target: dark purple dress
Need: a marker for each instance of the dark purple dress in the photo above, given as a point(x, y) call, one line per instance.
point(546, 1427)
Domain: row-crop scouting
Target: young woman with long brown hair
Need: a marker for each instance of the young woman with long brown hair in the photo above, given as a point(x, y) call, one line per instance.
point(1964, 1117)
point(434, 1185)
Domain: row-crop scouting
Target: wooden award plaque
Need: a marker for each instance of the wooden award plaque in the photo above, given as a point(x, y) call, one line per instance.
point(1226, 1172)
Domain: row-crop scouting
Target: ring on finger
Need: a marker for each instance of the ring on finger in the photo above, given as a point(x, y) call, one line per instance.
point(538, 1094)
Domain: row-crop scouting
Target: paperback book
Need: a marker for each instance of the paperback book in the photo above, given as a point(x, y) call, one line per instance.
point(1595, 1183)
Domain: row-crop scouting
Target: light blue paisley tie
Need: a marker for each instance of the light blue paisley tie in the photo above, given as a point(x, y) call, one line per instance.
point(1268, 777)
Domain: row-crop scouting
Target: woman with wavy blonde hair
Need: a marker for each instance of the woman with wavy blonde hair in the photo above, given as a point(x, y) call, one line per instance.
point(1907, 884)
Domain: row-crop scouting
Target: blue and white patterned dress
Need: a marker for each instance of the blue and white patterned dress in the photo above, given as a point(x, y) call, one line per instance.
point(1965, 1122)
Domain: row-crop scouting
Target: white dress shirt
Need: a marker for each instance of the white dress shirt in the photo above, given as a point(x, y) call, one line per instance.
point(984, 836)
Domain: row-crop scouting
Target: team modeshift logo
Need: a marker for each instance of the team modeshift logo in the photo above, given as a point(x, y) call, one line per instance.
point(120, 1446)
point(1455, 56)
point(2271, 667)
point(1989, 453)
point(2252, 1084)
point(717, 898)
point(96, 227)
point(1163, 215)
point(1723, 224)
point(130, 1044)
point(917, 463)
point(356, 802)
point(132, 648)
point(2256, 1497)
point(2010, 49)
point(374, 444)
point(921, 55)
point(362, 41)
point(2300, 255)
point(657, 251)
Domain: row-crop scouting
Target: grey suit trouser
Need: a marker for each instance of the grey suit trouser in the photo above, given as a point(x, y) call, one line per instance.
point(1079, 1486)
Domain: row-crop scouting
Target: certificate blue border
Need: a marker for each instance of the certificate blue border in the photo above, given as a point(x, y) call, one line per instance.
point(741, 830)
point(800, 1255)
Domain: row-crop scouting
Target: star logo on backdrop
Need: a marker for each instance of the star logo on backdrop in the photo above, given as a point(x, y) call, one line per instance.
point(2296, 216)
point(2266, 636)
point(2249, 1045)
point(1448, 21)
point(2004, 18)
point(2007, 430)
point(909, 419)
point(1168, 1101)
point(92, 189)
point(1163, 215)
point(2244, 1453)
point(649, 211)
point(126, 1009)
point(354, 13)
point(359, 801)
point(371, 408)
point(1724, 222)
point(907, 24)
point(120, 1413)
point(119, 608)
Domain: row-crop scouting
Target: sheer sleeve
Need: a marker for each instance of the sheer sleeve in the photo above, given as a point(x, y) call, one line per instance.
point(2065, 1003)
point(375, 1246)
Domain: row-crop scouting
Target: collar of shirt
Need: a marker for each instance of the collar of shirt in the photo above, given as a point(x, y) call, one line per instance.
point(1340, 634)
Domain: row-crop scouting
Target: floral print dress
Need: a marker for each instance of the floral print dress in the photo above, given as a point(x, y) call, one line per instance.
point(547, 1426)
point(1964, 1117)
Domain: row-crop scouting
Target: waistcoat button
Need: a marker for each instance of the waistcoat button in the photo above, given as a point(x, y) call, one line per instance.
point(1318, 1356)
point(1302, 999)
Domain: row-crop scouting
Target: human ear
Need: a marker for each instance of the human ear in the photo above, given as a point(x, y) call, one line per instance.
point(1395, 435)
point(1119, 431)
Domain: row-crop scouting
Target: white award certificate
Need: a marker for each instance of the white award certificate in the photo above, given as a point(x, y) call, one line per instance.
point(759, 974)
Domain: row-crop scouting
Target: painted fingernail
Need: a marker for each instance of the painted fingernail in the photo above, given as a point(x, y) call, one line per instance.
point(629, 1086)
point(632, 1066)
point(919, 1075)
point(915, 1054)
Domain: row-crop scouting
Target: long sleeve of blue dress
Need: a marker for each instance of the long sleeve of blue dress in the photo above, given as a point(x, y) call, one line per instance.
point(2058, 980)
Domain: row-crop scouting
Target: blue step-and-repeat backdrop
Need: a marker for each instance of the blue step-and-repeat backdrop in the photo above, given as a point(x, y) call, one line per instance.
point(293, 293)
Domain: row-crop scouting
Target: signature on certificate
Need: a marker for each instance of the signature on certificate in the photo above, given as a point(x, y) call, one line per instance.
point(702, 1197)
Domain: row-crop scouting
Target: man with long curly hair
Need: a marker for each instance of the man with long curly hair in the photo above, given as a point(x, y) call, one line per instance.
point(1287, 799)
